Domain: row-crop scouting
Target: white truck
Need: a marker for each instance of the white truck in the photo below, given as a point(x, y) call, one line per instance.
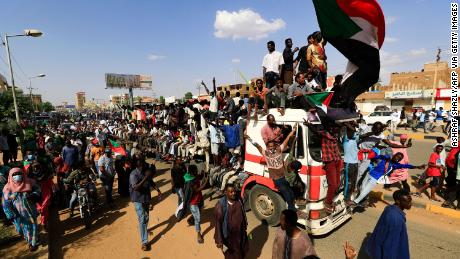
point(260, 193)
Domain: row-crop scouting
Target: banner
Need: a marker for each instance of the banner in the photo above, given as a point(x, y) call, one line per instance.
point(128, 81)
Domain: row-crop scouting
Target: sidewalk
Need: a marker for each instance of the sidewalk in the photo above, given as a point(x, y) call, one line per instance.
point(422, 202)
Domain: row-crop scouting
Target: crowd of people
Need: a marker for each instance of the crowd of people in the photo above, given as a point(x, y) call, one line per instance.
point(206, 141)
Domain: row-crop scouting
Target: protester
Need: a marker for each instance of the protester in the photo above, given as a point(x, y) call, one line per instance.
point(276, 97)
point(400, 175)
point(288, 57)
point(230, 220)
point(383, 169)
point(434, 170)
point(139, 189)
point(389, 238)
point(20, 196)
point(290, 241)
point(106, 174)
point(196, 201)
point(272, 64)
point(275, 164)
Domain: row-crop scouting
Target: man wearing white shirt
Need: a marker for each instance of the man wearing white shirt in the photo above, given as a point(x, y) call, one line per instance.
point(311, 82)
point(271, 65)
point(394, 120)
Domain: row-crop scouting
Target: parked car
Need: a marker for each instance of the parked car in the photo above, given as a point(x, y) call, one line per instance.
point(382, 116)
point(382, 108)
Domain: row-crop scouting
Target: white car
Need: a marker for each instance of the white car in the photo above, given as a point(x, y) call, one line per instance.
point(382, 116)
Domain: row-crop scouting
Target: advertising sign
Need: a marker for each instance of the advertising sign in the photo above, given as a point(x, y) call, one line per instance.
point(128, 81)
point(408, 94)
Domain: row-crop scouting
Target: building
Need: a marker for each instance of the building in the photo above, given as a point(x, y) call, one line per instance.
point(80, 100)
point(427, 88)
point(244, 89)
point(37, 101)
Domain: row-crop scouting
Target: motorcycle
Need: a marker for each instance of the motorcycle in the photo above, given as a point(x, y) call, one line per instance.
point(86, 203)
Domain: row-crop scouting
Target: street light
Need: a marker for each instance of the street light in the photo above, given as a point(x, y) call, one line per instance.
point(30, 88)
point(31, 33)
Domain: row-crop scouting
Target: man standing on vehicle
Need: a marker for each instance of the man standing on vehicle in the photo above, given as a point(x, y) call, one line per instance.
point(271, 131)
point(275, 164)
point(106, 174)
point(231, 224)
point(272, 65)
point(139, 189)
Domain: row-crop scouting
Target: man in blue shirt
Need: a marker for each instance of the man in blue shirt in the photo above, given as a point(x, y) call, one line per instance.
point(106, 174)
point(389, 239)
point(70, 154)
point(139, 188)
point(384, 168)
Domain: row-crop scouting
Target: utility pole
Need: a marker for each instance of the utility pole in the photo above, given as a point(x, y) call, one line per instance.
point(438, 58)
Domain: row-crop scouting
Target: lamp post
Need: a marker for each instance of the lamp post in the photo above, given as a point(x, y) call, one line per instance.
point(31, 33)
point(30, 89)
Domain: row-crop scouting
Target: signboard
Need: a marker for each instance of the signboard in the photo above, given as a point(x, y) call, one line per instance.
point(128, 81)
point(170, 99)
point(408, 94)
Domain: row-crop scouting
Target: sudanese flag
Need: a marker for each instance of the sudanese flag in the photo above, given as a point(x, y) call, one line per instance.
point(116, 148)
point(356, 28)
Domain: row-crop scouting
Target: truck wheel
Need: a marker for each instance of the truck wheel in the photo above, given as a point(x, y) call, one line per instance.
point(266, 204)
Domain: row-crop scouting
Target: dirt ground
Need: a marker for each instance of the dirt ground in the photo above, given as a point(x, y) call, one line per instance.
point(115, 232)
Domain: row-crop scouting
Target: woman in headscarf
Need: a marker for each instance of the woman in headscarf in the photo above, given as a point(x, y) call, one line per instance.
point(20, 196)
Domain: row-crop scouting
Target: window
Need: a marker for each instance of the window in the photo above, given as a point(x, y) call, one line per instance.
point(299, 151)
point(373, 114)
point(314, 144)
point(286, 129)
point(387, 113)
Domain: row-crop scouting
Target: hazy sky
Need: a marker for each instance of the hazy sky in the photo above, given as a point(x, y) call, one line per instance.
point(179, 43)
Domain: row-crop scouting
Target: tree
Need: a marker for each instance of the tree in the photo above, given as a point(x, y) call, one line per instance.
point(188, 96)
point(7, 104)
point(47, 107)
point(162, 100)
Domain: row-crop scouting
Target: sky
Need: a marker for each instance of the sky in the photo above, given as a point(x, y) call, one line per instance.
point(179, 43)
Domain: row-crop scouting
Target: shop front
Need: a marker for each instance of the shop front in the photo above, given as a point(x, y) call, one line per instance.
point(442, 98)
point(409, 99)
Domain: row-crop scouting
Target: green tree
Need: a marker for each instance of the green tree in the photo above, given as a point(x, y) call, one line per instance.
point(162, 100)
point(47, 107)
point(7, 104)
point(188, 96)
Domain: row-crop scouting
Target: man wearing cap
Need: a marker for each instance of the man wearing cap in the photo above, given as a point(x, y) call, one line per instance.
point(106, 173)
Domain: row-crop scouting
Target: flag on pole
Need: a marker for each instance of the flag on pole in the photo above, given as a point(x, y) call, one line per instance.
point(116, 148)
point(356, 28)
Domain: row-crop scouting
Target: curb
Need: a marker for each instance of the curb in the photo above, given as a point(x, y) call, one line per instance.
point(419, 136)
point(423, 205)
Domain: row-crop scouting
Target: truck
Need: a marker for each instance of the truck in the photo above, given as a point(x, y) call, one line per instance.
point(259, 191)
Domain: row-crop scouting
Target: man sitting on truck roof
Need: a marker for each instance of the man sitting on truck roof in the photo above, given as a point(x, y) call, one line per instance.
point(275, 164)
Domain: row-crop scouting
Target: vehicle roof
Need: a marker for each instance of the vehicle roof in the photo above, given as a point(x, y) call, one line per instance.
point(290, 115)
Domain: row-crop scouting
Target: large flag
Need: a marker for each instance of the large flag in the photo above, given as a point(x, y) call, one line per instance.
point(357, 29)
point(116, 148)
point(321, 99)
point(141, 115)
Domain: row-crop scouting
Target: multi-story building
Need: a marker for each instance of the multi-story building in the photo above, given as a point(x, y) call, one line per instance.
point(427, 88)
point(244, 89)
point(80, 100)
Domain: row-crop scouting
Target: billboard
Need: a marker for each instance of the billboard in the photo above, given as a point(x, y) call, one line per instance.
point(128, 81)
